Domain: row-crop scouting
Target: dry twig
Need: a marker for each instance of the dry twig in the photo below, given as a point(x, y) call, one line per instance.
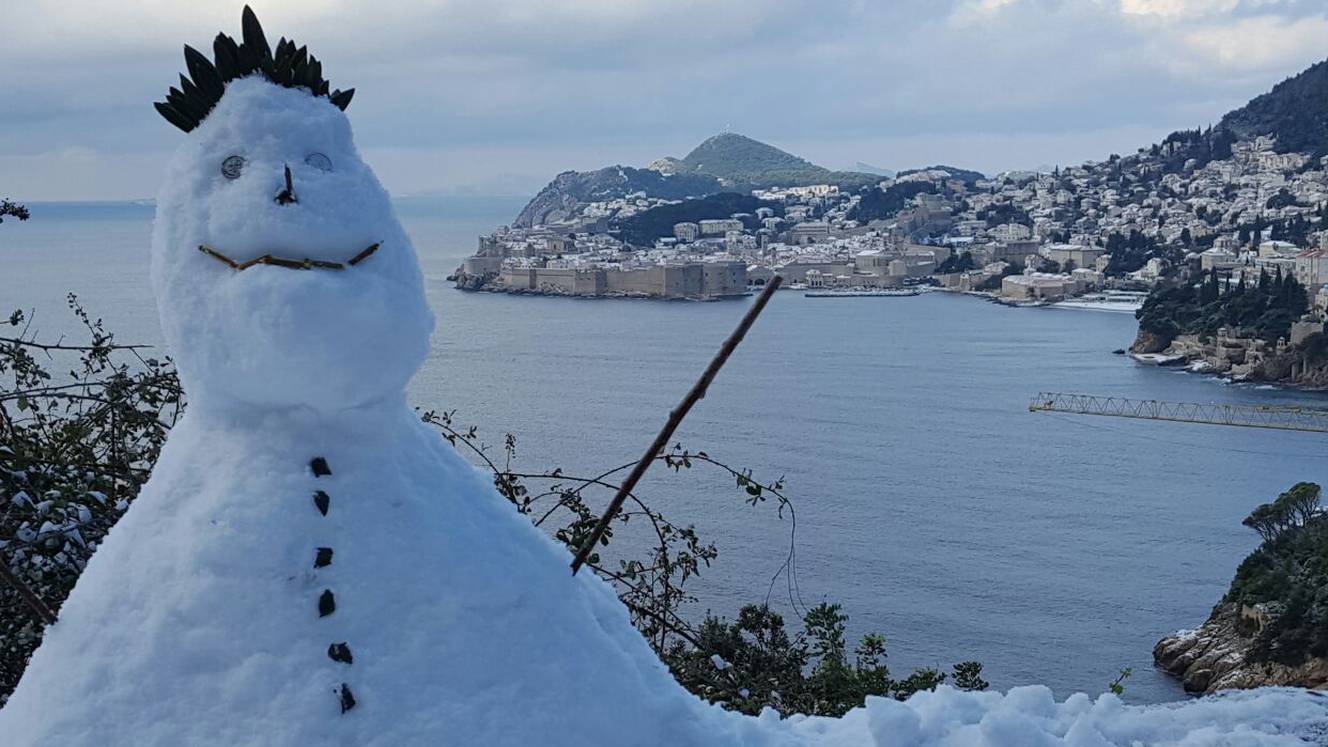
point(696, 394)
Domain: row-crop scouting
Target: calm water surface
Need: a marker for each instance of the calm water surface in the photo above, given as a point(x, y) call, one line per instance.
point(930, 502)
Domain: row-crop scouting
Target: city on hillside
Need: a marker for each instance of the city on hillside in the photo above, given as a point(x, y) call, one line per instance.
point(1195, 200)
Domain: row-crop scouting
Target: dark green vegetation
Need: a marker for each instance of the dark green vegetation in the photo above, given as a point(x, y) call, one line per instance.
point(760, 665)
point(1266, 308)
point(1004, 212)
point(1194, 148)
point(76, 448)
point(1295, 112)
point(879, 204)
point(1129, 253)
point(993, 283)
point(957, 263)
point(738, 160)
point(1288, 574)
point(72, 451)
point(643, 228)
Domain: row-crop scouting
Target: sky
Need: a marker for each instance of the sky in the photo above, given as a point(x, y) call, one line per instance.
point(495, 97)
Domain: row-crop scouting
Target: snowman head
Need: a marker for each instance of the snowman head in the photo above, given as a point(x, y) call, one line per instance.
point(282, 275)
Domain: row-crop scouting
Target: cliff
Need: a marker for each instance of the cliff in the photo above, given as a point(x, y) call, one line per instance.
point(1217, 656)
point(1271, 628)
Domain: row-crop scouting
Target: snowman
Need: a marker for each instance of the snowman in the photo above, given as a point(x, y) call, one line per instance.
point(309, 564)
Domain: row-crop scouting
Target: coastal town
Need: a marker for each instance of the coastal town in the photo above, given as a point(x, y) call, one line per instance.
point(1019, 236)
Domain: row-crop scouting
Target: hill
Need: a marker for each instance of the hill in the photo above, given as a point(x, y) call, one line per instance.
point(570, 189)
point(1295, 112)
point(725, 162)
point(738, 160)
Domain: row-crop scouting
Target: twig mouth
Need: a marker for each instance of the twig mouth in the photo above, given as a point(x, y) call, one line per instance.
point(288, 263)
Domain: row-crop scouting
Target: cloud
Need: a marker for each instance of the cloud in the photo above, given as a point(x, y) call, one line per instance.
point(1178, 8)
point(976, 11)
point(526, 88)
point(1257, 44)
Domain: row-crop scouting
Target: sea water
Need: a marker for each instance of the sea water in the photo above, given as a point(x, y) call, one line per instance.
point(930, 503)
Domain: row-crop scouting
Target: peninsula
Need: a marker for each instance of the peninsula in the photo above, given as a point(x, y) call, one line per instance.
point(1225, 204)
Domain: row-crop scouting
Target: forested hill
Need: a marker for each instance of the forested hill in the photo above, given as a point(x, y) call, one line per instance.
point(741, 161)
point(1295, 112)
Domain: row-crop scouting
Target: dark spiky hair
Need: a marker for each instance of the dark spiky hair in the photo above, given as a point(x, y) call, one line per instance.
point(187, 106)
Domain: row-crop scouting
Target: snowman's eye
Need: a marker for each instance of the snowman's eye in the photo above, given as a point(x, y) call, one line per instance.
point(319, 161)
point(232, 166)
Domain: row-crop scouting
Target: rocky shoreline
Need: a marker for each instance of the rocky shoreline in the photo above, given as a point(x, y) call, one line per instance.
point(1239, 358)
point(1216, 656)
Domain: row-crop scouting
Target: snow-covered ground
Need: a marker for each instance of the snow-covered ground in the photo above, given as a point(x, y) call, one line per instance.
point(310, 565)
point(1115, 302)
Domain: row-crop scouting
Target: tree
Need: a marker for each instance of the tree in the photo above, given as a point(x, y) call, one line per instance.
point(753, 663)
point(962, 262)
point(1294, 508)
point(13, 210)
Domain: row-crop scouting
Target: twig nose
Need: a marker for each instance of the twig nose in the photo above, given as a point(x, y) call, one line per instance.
point(287, 195)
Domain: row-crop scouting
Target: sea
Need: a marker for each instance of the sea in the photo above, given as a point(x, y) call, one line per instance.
point(928, 501)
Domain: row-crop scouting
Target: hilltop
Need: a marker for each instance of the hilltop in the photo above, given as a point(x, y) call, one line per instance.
point(727, 162)
point(1295, 112)
point(739, 161)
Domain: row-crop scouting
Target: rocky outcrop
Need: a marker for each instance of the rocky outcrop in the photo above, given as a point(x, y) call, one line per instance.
point(1216, 656)
point(1238, 355)
point(1148, 342)
point(469, 282)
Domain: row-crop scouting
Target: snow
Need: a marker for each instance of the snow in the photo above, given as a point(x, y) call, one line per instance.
point(275, 336)
point(198, 620)
point(1115, 307)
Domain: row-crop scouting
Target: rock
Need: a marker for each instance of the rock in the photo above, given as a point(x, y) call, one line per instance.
point(1213, 658)
point(1149, 342)
point(465, 281)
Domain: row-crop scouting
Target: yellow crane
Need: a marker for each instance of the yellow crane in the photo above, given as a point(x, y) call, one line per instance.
point(1276, 417)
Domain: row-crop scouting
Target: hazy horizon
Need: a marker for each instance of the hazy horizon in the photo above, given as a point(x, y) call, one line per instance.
point(467, 98)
